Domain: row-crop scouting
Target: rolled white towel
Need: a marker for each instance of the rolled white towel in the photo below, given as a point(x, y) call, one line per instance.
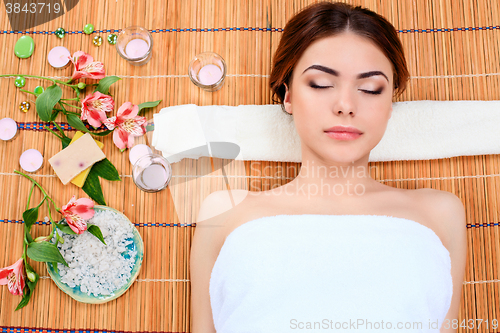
point(417, 130)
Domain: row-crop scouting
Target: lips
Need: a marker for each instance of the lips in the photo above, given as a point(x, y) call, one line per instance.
point(345, 129)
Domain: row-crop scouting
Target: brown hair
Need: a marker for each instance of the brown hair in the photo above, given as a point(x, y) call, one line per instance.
point(325, 19)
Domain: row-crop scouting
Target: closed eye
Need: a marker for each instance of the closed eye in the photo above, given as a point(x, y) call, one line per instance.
point(315, 86)
point(372, 92)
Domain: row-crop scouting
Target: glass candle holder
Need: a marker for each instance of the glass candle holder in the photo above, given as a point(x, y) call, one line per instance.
point(207, 70)
point(135, 44)
point(152, 173)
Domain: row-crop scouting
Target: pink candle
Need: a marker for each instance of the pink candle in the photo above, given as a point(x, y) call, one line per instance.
point(136, 48)
point(154, 176)
point(137, 152)
point(209, 74)
point(59, 57)
point(31, 160)
point(8, 129)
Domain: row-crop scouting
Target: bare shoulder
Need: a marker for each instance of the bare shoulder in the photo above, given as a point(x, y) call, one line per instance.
point(445, 207)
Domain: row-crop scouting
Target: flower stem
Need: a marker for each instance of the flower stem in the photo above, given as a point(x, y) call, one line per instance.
point(73, 106)
point(70, 99)
point(51, 131)
point(27, 91)
point(39, 186)
point(42, 78)
point(29, 196)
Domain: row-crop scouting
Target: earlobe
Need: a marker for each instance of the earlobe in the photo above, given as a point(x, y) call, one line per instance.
point(287, 100)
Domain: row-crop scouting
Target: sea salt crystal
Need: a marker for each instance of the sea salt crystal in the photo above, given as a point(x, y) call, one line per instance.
point(99, 269)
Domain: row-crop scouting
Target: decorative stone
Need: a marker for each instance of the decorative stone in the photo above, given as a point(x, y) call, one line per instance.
point(88, 29)
point(38, 90)
point(20, 81)
point(60, 32)
point(112, 39)
point(24, 106)
point(97, 40)
point(24, 47)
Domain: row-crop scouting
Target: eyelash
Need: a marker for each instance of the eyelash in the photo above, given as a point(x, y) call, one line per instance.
point(374, 92)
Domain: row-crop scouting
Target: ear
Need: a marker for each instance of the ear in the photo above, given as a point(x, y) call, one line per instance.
point(390, 114)
point(287, 101)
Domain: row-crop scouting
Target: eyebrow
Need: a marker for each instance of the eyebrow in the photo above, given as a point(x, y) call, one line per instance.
point(335, 73)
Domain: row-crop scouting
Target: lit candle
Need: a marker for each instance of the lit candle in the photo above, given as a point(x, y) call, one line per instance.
point(209, 74)
point(8, 128)
point(59, 57)
point(136, 48)
point(31, 160)
point(137, 152)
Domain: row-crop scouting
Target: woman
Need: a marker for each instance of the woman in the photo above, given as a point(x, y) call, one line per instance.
point(333, 247)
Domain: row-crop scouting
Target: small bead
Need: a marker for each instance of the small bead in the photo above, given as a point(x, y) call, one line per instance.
point(112, 39)
point(88, 29)
point(20, 81)
point(38, 90)
point(60, 32)
point(24, 106)
point(97, 40)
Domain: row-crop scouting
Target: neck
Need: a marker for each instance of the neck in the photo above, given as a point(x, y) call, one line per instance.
point(340, 179)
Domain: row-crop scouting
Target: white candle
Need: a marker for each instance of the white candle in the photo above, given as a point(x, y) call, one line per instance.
point(31, 160)
point(8, 128)
point(209, 74)
point(59, 57)
point(136, 48)
point(137, 152)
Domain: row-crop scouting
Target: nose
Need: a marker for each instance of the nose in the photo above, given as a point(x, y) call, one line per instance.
point(346, 103)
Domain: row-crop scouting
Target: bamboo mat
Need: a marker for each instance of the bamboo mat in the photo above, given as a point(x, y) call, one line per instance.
point(452, 47)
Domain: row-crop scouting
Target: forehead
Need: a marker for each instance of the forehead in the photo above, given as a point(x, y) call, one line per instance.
point(347, 53)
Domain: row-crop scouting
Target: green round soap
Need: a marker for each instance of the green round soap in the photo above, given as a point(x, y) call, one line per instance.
point(24, 47)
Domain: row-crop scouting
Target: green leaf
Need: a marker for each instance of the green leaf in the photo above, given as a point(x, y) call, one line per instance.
point(65, 142)
point(105, 169)
point(54, 115)
point(104, 133)
point(93, 188)
point(65, 228)
point(94, 230)
point(147, 105)
point(47, 100)
point(30, 216)
point(105, 83)
point(76, 122)
point(27, 235)
point(45, 252)
point(54, 265)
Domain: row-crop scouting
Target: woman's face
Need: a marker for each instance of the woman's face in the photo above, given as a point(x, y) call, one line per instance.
point(340, 80)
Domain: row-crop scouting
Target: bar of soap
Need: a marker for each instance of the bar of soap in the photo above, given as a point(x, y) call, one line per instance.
point(73, 159)
point(82, 176)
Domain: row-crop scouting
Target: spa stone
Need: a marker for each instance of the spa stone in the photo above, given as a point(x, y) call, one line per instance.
point(24, 47)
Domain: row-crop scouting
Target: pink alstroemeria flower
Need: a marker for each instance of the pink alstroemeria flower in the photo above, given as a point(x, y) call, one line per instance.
point(86, 67)
point(76, 212)
point(127, 125)
point(13, 276)
point(94, 108)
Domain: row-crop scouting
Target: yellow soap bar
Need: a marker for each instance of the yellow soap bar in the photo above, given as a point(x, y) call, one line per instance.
point(73, 159)
point(80, 179)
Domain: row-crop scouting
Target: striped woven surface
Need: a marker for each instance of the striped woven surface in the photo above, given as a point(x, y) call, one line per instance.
point(452, 47)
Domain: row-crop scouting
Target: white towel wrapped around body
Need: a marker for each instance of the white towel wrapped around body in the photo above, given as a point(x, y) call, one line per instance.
point(281, 273)
point(417, 130)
